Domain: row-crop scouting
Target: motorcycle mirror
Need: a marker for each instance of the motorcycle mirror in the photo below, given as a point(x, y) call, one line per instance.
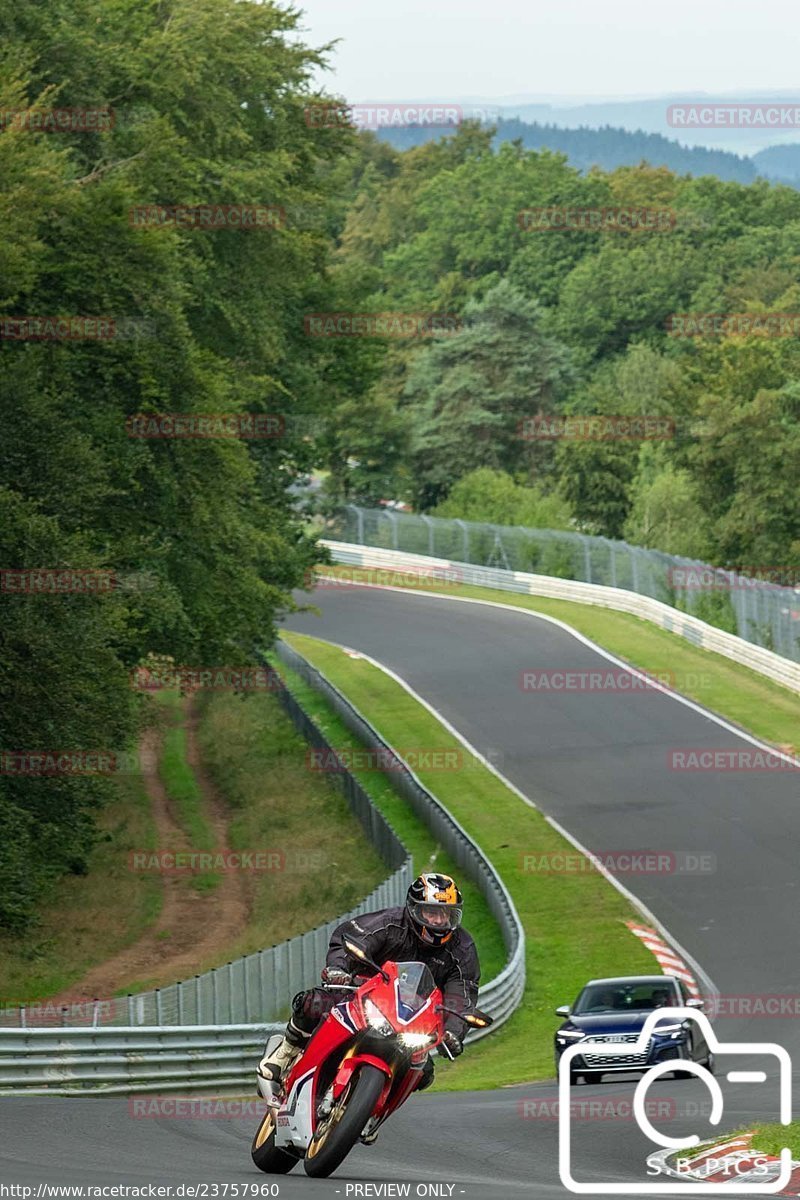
point(480, 1020)
point(476, 1018)
point(359, 952)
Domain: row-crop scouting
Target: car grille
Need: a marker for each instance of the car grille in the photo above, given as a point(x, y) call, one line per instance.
point(614, 1060)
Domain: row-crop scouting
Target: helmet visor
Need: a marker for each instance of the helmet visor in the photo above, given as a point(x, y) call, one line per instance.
point(439, 918)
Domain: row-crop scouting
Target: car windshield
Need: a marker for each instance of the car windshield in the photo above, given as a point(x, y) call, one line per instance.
point(624, 997)
point(414, 984)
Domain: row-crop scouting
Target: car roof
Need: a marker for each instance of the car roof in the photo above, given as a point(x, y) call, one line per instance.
point(633, 979)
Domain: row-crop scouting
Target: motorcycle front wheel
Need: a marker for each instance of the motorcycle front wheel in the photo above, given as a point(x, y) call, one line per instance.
point(265, 1154)
point(340, 1130)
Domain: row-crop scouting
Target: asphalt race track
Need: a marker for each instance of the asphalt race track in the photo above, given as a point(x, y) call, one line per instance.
point(597, 763)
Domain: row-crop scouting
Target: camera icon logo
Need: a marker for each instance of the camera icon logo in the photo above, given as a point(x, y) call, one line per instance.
point(640, 1046)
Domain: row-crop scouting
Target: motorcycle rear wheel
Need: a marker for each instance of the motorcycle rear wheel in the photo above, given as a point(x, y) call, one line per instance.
point(265, 1154)
point(342, 1129)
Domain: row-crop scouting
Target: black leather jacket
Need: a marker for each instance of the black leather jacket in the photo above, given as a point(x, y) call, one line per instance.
point(390, 935)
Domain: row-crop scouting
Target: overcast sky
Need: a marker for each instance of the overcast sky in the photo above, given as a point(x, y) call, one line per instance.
point(438, 49)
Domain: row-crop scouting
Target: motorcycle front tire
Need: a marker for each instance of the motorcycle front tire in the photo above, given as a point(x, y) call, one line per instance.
point(327, 1152)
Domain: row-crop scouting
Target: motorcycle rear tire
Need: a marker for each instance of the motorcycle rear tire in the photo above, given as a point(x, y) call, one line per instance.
point(265, 1154)
point(326, 1154)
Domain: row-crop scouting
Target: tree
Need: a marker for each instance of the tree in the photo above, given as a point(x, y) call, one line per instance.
point(667, 510)
point(209, 97)
point(468, 394)
point(493, 496)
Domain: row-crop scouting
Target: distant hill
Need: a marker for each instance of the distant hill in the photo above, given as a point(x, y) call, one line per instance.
point(608, 148)
point(780, 163)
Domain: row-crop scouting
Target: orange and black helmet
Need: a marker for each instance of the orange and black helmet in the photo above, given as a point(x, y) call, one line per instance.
point(434, 904)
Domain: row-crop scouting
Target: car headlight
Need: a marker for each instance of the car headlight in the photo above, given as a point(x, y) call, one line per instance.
point(415, 1041)
point(563, 1034)
point(672, 1031)
point(376, 1020)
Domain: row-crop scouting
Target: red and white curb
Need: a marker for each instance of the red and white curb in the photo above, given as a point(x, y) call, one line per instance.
point(732, 1161)
point(670, 962)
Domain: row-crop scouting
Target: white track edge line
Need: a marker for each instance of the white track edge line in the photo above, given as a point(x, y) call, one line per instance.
point(637, 671)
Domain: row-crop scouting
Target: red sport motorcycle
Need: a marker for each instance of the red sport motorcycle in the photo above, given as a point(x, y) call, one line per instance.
point(362, 1062)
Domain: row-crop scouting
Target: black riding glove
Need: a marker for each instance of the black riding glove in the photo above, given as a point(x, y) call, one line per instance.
point(450, 1042)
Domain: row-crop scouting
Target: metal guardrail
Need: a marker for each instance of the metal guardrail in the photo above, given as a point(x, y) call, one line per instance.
point(699, 633)
point(500, 996)
point(141, 1057)
point(260, 986)
point(765, 613)
point(67, 1062)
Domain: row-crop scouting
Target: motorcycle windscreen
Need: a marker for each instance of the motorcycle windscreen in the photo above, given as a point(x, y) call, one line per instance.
point(414, 985)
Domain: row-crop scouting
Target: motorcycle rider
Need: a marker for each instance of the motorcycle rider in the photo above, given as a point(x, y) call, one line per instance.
point(427, 929)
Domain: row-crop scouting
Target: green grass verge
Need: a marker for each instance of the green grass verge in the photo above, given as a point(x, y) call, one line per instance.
point(88, 918)
point(413, 833)
point(575, 924)
point(323, 863)
point(771, 1139)
point(742, 696)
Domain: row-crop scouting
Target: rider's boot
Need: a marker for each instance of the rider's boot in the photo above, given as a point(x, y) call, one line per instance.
point(278, 1062)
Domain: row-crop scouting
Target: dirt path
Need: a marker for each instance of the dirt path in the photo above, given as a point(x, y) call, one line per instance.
point(192, 929)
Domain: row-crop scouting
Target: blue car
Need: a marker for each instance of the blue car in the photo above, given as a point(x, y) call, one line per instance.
point(615, 1010)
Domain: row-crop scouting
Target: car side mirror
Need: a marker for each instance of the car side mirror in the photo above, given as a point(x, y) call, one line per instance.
point(695, 1003)
point(562, 1010)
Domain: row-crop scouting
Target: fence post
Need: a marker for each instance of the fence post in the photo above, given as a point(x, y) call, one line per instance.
point(429, 523)
point(465, 537)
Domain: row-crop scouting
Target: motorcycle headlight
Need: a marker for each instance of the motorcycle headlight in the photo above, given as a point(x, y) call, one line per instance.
point(376, 1020)
point(416, 1041)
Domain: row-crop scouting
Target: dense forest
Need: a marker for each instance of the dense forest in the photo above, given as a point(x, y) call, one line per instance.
point(608, 147)
point(577, 321)
point(201, 537)
point(197, 546)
